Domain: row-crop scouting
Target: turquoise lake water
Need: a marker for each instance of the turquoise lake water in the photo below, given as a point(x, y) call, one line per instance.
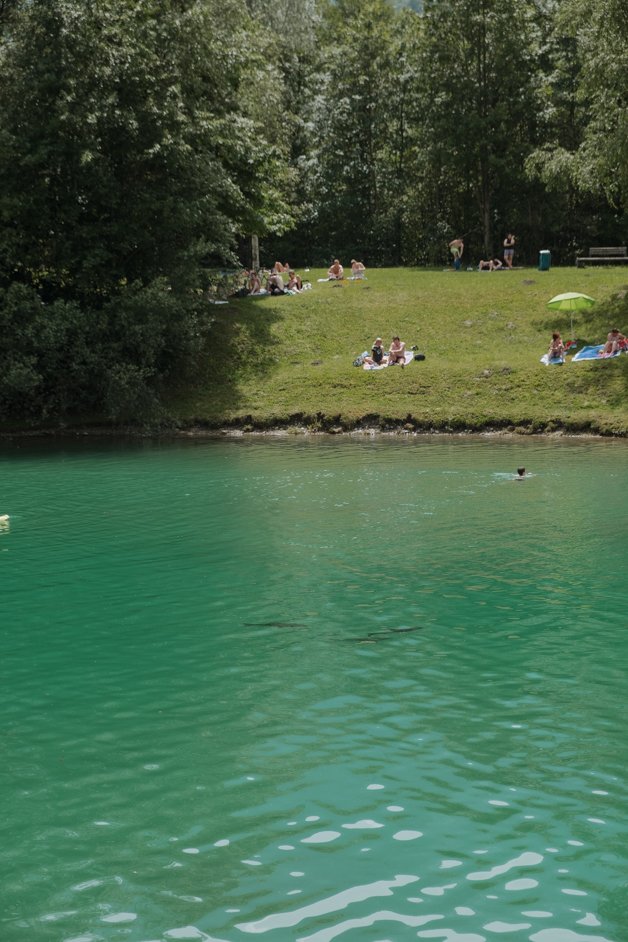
point(314, 689)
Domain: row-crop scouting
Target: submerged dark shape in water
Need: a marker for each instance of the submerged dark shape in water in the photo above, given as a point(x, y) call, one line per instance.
point(274, 624)
point(374, 637)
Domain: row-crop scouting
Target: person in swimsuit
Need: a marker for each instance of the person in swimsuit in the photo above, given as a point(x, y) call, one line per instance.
point(556, 348)
point(294, 282)
point(357, 269)
point(509, 249)
point(275, 283)
point(336, 271)
point(615, 341)
point(397, 352)
point(254, 283)
point(456, 247)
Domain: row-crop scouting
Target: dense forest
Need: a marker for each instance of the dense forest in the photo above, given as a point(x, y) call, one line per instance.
point(143, 144)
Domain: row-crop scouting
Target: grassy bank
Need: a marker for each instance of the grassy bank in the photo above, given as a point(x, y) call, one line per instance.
point(288, 360)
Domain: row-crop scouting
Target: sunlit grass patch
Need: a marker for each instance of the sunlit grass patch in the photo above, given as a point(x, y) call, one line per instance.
point(482, 334)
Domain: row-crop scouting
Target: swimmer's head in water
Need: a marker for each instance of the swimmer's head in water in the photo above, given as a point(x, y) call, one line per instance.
point(521, 471)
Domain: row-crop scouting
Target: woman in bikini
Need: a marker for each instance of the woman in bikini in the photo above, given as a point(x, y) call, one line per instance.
point(556, 348)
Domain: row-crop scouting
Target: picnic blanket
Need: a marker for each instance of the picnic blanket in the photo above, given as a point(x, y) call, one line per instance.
point(554, 361)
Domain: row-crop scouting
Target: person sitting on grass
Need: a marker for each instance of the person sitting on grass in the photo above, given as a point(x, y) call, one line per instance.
point(615, 341)
point(377, 352)
point(556, 348)
point(378, 355)
point(275, 283)
point(489, 264)
point(357, 270)
point(336, 271)
point(294, 282)
point(397, 352)
point(254, 283)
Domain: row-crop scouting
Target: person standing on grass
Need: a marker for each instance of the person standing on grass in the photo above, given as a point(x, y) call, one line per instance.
point(509, 249)
point(456, 247)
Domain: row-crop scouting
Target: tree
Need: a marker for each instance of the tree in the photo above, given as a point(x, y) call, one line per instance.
point(129, 158)
point(479, 110)
point(351, 131)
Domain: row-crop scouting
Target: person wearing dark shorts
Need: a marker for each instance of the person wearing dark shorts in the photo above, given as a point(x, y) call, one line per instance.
point(509, 249)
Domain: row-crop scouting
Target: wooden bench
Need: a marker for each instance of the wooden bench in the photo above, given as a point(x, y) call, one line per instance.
point(604, 255)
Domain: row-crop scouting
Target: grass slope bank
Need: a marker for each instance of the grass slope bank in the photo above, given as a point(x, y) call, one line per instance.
point(288, 360)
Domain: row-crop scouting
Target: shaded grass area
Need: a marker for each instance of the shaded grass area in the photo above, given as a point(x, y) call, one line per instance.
point(288, 360)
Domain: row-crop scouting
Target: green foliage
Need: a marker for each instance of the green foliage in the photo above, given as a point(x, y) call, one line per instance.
point(132, 153)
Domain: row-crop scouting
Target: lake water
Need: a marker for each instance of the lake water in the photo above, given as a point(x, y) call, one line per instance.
point(314, 689)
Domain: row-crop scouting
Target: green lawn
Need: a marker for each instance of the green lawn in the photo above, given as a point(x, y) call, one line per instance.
point(288, 360)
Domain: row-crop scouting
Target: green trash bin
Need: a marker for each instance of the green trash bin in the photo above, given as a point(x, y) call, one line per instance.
point(545, 259)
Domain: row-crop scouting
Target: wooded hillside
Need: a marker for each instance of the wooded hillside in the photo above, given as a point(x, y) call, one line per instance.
point(142, 145)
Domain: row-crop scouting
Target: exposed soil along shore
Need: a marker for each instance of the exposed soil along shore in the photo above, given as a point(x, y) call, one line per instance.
point(318, 425)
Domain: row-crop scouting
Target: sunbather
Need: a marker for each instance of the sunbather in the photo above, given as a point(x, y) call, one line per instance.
point(556, 348)
point(254, 283)
point(357, 269)
point(615, 341)
point(397, 352)
point(275, 283)
point(456, 247)
point(336, 271)
point(294, 282)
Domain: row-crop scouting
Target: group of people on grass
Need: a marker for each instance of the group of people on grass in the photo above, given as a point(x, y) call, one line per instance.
point(282, 279)
point(456, 247)
point(336, 271)
point(272, 282)
point(379, 357)
point(615, 342)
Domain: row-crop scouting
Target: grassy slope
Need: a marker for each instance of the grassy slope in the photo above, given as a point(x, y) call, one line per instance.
point(289, 359)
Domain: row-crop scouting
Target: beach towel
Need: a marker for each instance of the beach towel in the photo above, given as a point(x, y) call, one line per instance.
point(595, 353)
point(382, 366)
point(554, 361)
